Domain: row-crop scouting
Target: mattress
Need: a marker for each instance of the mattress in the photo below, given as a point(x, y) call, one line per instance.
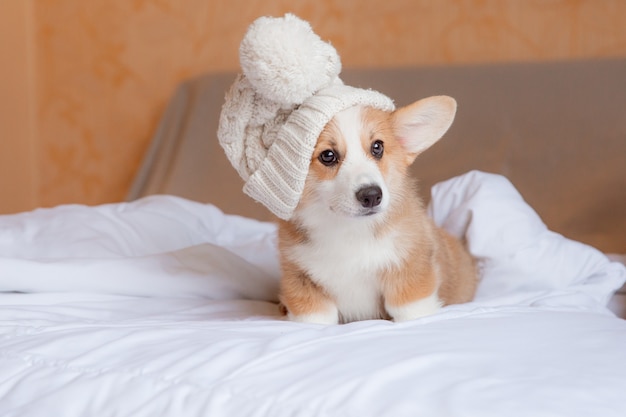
point(167, 307)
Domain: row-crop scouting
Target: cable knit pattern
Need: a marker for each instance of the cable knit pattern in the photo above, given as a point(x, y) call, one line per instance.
point(275, 111)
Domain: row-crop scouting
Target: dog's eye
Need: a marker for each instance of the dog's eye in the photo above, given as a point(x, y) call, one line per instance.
point(328, 157)
point(377, 149)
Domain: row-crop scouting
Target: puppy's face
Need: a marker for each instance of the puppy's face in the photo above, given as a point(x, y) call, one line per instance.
point(353, 165)
point(358, 167)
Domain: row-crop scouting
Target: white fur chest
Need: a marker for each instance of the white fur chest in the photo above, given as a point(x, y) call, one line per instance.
point(347, 260)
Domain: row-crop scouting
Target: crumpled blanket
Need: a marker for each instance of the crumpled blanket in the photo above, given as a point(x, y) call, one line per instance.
point(168, 246)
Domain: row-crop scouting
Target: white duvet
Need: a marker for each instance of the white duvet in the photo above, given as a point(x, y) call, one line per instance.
point(165, 307)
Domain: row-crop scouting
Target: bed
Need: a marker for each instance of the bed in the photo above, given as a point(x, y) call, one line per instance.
point(165, 305)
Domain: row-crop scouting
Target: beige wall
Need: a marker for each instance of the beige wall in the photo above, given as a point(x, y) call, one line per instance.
point(18, 165)
point(84, 82)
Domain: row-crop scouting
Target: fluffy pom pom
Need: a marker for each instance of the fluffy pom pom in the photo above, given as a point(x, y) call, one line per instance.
point(285, 61)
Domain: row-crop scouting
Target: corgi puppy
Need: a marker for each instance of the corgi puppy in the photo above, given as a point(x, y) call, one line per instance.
point(360, 245)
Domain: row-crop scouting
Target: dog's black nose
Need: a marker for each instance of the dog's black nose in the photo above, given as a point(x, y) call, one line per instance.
point(370, 196)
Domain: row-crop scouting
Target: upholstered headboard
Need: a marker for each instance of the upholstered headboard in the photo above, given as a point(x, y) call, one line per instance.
point(556, 130)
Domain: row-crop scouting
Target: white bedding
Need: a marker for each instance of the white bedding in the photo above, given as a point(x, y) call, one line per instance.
point(165, 307)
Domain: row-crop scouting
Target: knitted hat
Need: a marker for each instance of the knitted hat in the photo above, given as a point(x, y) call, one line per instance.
point(275, 111)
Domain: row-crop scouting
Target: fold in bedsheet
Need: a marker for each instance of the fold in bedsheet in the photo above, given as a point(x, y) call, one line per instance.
point(157, 246)
point(168, 246)
point(521, 260)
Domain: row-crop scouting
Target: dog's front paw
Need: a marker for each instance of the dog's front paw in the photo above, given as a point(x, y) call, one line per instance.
point(411, 311)
point(330, 316)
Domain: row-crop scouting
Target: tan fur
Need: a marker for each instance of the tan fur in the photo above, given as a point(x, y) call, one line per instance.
point(434, 259)
point(431, 259)
point(459, 270)
point(302, 295)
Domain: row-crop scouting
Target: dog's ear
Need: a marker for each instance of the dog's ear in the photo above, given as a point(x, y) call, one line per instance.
point(419, 125)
